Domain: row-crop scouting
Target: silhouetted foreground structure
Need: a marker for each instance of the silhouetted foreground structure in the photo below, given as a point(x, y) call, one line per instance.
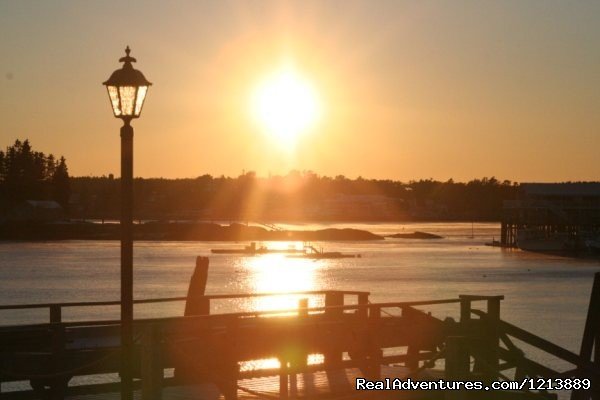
point(356, 340)
point(552, 217)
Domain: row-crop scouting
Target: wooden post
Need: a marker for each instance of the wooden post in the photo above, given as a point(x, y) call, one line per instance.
point(303, 307)
point(596, 382)
point(230, 360)
point(58, 385)
point(457, 365)
point(484, 333)
point(375, 352)
point(412, 362)
point(492, 340)
point(590, 343)
point(152, 368)
point(465, 309)
point(293, 382)
point(363, 302)
point(333, 357)
point(333, 299)
point(197, 303)
point(55, 314)
point(300, 362)
point(283, 379)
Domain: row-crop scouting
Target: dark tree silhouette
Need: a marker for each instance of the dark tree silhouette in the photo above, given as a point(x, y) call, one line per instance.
point(26, 174)
point(299, 195)
point(61, 189)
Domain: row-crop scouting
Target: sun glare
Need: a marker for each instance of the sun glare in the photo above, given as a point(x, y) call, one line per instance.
point(285, 105)
point(274, 273)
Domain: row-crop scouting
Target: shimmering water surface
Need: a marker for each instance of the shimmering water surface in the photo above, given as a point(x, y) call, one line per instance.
point(545, 294)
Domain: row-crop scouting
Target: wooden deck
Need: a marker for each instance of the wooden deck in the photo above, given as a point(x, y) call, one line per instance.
point(360, 339)
point(338, 384)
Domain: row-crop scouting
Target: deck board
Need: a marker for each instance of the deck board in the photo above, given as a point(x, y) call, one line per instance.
point(335, 384)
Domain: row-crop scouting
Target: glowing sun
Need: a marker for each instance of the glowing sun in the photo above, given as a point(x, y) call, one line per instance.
point(285, 105)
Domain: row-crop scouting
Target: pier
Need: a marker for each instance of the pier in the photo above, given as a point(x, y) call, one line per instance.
point(320, 351)
point(569, 211)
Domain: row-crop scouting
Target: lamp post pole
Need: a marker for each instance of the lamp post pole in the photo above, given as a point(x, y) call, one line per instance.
point(127, 88)
point(126, 259)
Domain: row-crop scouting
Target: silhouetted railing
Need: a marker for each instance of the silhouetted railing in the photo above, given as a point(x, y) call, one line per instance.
point(55, 309)
point(212, 346)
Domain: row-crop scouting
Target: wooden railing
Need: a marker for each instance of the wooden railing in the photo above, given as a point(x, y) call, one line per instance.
point(361, 330)
point(329, 324)
point(55, 310)
point(491, 342)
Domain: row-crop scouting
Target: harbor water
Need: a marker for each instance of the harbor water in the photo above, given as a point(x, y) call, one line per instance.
point(545, 294)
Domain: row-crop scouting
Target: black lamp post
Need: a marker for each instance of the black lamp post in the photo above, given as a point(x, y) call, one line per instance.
point(127, 88)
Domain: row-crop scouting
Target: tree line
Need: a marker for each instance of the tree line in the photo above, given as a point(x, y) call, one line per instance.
point(26, 174)
point(295, 196)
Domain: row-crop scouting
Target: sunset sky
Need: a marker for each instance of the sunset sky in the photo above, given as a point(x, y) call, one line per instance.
point(392, 89)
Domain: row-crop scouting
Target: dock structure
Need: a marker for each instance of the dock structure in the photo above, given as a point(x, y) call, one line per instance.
point(571, 210)
point(205, 356)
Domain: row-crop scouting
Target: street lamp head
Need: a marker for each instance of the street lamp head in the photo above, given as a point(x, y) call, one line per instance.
point(127, 88)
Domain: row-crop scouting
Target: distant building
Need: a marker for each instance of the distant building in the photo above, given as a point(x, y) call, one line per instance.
point(37, 211)
point(543, 211)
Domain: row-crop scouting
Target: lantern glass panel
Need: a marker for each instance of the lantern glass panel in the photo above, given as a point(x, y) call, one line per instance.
point(139, 102)
point(127, 95)
point(113, 93)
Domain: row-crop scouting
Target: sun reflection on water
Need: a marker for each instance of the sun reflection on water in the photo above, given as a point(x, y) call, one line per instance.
point(276, 273)
point(272, 363)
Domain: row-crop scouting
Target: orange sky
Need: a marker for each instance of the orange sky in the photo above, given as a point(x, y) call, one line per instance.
point(410, 90)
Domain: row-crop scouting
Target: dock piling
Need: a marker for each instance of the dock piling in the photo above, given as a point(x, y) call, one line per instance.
point(151, 364)
point(197, 303)
point(457, 365)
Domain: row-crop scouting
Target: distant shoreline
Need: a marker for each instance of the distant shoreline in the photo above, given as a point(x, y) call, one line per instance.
point(164, 231)
point(212, 231)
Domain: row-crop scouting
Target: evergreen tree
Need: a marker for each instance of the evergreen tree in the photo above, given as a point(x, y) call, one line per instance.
point(60, 184)
point(26, 174)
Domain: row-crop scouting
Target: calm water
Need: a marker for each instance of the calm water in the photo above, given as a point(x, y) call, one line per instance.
point(545, 294)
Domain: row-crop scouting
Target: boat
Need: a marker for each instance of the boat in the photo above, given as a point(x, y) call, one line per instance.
point(316, 254)
point(252, 250)
point(494, 243)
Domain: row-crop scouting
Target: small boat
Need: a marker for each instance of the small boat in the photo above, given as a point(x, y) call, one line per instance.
point(494, 243)
point(252, 250)
point(326, 255)
point(316, 254)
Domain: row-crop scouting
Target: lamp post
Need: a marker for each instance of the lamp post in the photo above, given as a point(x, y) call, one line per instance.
point(127, 88)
